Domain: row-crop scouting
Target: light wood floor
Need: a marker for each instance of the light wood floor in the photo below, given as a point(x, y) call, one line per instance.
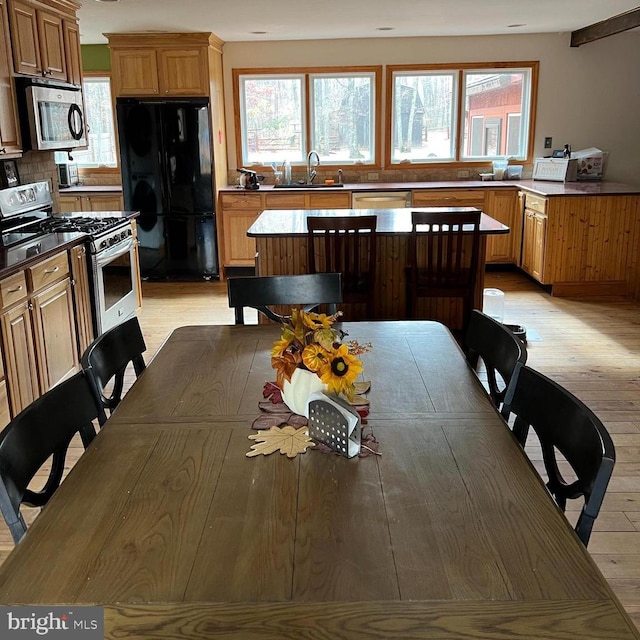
point(590, 345)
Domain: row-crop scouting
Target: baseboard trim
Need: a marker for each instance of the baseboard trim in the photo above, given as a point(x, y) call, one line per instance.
point(570, 289)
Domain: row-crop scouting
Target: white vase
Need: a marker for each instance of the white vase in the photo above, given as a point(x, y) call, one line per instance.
point(296, 392)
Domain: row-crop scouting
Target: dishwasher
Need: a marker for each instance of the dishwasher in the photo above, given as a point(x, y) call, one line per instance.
point(381, 200)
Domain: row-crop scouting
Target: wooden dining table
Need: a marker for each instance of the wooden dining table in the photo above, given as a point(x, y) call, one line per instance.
point(448, 534)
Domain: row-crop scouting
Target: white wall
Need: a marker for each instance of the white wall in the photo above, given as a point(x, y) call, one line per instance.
point(587, 96)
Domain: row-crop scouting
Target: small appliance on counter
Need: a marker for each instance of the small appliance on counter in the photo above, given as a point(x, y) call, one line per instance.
point(250, 179)
point(67, 174)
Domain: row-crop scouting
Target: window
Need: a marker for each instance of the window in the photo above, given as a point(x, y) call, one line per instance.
point(284, 116)
point(472, 112)
point(101, 137)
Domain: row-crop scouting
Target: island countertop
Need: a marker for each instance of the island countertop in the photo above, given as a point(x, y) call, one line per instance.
point(293, 222)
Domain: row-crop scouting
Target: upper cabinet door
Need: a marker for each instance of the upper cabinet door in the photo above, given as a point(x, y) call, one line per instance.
point(183, 72)
point(72, 50)
point(24, 38)
point(9, 127)
point(134, 72)
point(51, 37)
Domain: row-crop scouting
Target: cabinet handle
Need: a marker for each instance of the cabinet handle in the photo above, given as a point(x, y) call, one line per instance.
point(30, 306)
point(56, 268)
point(82, 253)
point(155, 91)
point(18, 288)
point(3, 150)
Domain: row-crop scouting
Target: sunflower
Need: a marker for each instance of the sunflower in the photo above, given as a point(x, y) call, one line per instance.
point(315, 357)
point(341, 371)
point(317, 320)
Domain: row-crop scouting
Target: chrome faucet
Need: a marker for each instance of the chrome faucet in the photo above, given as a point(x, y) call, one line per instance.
point(311, 168)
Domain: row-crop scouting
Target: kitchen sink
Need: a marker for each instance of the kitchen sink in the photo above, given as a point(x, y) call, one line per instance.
point(302, 185)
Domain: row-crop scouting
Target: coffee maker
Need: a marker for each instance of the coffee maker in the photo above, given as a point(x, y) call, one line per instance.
point(250, 179)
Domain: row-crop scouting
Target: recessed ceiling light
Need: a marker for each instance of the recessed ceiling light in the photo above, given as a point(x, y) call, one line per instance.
point(385, 28)
point(107, 0)
point(259, 33)
point(513, 26)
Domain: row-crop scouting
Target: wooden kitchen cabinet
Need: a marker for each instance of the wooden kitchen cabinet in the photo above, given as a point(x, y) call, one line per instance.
point(81, 297)
point(73, 57)
point(239, 210)
point(161, 64)
point(98, 201)
point(534, 236)
point(449, 198)
point(38, 330)
point(10, 142)
point(502, 205)
point(45, 39)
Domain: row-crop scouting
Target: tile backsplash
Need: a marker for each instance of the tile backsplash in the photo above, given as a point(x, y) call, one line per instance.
point(36, 166)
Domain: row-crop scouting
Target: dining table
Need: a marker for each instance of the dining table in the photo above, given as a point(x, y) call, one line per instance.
point(447, 533)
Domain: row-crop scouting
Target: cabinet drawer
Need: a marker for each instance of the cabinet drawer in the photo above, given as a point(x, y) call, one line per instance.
point(48, 271)
point(241, 201)
point(284, 201)
point(330, 200)
point(445, 198)
point(535, 203)
point(13, 289)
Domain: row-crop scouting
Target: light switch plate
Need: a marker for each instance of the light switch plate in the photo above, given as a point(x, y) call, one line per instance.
point(548, 142)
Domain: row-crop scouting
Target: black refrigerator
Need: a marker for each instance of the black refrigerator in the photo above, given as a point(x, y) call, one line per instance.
point(167, 175)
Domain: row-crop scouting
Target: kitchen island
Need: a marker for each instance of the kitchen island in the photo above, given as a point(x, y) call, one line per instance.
point(281, 240)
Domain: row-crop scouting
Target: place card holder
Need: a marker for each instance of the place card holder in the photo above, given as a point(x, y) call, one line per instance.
point(335, 423)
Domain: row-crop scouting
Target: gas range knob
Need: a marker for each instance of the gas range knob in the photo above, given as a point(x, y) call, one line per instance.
point(124, 234)
point(103, 244)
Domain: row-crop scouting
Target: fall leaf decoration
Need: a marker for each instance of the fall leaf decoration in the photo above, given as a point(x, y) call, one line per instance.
point(287, 440)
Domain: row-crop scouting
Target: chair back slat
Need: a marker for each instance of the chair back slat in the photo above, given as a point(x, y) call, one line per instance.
point(443, 257)
point(349, 247)
point(261, 293)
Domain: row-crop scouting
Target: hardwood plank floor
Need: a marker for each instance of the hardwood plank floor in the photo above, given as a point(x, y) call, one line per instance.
point(590, 345)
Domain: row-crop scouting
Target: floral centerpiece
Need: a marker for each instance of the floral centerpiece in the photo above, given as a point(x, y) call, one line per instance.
point(310, 356)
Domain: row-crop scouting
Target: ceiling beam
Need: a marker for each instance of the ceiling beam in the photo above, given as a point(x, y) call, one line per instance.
point(617, 24)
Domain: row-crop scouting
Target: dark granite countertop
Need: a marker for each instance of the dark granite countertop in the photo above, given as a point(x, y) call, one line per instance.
point(293, 222)
point(542, 187)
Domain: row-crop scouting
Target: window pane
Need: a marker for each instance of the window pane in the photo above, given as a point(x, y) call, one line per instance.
point(498, 99)
point(272, 121)
point(99, 119)
point(342, 127)
point(423, 125)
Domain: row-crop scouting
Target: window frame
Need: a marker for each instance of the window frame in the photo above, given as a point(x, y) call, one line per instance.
point(459, 105)
point(307, 109)
point(103, 170)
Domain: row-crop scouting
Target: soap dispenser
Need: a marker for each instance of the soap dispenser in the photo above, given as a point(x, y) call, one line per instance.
point(287, 172)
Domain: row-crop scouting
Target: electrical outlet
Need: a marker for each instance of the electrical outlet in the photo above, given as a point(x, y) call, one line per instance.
point(373, 176)
point(463, 173)
point(548, 142)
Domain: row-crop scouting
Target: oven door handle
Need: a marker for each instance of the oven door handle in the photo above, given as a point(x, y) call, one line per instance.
point(104, 257)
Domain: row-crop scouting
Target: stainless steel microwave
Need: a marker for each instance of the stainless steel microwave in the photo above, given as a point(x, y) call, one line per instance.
point(55, 117)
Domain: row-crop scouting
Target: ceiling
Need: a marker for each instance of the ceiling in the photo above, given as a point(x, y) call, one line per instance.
point(326, 19)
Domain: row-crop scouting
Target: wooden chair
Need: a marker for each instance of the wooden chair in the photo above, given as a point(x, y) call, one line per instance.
point(565, 425)
point(308, 290)
point(501, 352)
point(347, 245)
point(443, 258)
point(42, 430)
point(107, 358)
